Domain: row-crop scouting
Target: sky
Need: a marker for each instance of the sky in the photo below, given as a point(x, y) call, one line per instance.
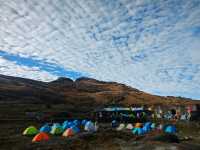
point(151, 45)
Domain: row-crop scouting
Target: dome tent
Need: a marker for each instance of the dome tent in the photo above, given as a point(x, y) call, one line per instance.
point(129, 126)
point(153, 126)
point(69, 132)
point(146, 127)
point(138, 125)
point(137, 131)
point(83, 122)
point(89, 126)
point(31, 130)
point(121, 127)
point(65, 122)
point(114, 124)
point(148, 124)
point(42, 136)
point(75, 129)
point(45, 128)
point(76, 122)
point(56, 129)
point(170, 129)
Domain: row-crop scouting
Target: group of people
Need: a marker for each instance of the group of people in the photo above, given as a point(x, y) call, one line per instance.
point(171, 115)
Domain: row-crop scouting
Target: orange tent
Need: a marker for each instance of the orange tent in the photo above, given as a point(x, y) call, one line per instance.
point(138, 125)
point(69, 132)
point(42, 136)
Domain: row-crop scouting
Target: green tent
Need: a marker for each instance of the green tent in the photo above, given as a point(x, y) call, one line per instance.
point(31, 130)
point(56, 130)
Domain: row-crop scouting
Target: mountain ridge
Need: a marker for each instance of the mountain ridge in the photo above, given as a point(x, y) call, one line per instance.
point(64, 90)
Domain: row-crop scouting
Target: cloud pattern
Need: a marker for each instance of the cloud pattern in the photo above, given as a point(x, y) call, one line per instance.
point(152, 45)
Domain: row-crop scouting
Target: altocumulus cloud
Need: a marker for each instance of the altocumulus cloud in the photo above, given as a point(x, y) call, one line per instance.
point(150, 45)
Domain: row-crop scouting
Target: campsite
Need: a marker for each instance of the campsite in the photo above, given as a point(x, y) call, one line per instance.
point(32, 124)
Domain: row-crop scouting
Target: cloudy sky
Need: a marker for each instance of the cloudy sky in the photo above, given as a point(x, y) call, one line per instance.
point(152, 45)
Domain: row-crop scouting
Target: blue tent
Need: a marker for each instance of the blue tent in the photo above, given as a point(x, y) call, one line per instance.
point(148, 124)
point(170, 129)
point(45, 128)
point(65, 126)
point(75, 129)
point(146, 129)
point(83, 122)
point(65, 122)
point(137, 131)
point(76, 122)
point(114, 123)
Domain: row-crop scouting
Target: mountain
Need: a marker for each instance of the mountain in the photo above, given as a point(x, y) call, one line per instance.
point(83, 91)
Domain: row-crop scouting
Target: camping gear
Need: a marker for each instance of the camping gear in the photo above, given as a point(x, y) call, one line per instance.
point(146, 129)
point(114, 124)
point(170, 129)
point(137, 131)
point(89, 126)
point(46, 128)
point(56, 130)
point(76, 122)
point(83, 122)
point(69, 132)
point(153, 126)
point(148, 124)
point(42, 136)
point(65, 122)
point(121, 127)
point(129, 126)
point(65, 126)
point(138, 125)
point(75, 129)
point(31, 130)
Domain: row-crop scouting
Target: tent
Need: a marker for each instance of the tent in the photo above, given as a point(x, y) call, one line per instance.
point(56, 130)
point(65, 126)
point(75, 129)
point(83, 122)
point(45, 128)
point(31, 130)
point(76, 122)
point(56, 125)
point(42, 136)
point(138, 125)
point(170, 129)
point(147, 124)
point(89, 126)
point(129, 126)
point(69, 132)
point(121, 127)
point(65, 122)
point(114, 124)
point(137, 131)
point(153, 126)
point(146, 127)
